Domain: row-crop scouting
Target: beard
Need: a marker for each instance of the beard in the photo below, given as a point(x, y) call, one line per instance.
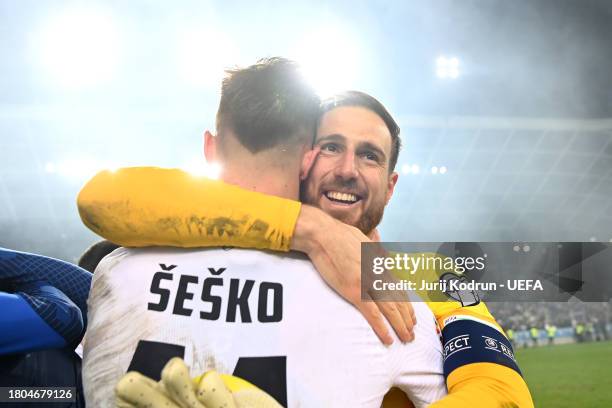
point(370, 218)
point(368, 221)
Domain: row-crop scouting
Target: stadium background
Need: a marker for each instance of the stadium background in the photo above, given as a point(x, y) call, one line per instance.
point(505, 109)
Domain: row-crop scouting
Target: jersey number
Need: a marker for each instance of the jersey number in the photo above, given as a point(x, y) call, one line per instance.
point(267, 373)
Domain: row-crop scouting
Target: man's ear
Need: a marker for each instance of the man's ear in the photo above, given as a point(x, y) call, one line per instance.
point(210, 147)
point(391, 185)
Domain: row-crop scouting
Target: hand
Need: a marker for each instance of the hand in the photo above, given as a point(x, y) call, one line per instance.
point(177, 390)
point(335, 250)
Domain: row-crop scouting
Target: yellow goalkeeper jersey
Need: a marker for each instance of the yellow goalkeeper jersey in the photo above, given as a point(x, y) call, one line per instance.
point(148, 206)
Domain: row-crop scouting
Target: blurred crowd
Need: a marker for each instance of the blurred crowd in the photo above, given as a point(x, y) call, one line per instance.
point(539, 323)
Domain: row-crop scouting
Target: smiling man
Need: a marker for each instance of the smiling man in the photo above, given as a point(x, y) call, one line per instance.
point(353, 179)
point(244, 311)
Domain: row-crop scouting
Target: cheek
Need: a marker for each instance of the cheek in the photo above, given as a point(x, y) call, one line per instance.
point(317, 174)
point(310, 188)
point(376, 187)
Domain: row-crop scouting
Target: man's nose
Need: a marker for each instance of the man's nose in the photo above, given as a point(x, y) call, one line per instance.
point(346, 167)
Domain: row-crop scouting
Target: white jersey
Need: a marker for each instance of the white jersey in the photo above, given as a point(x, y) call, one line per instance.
point(264, 317)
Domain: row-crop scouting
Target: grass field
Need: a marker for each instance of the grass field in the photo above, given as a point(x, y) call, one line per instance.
point(572, 375)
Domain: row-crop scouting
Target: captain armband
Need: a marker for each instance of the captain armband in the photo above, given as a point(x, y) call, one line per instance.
point(468, 340)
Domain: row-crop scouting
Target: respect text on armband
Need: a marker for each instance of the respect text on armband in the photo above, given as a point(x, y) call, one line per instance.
point(211, 296)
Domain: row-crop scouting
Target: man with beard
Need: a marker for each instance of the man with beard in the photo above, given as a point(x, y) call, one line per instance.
point(353, 179)
point(244, 311)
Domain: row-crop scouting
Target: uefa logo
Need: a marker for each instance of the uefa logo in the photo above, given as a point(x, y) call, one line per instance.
point(490, 342)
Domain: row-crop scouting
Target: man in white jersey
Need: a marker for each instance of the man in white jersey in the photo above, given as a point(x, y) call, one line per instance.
point(267, 318)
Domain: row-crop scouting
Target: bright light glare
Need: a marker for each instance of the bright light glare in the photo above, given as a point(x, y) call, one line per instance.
point(447, 67)
point(405, 169)
point(112, 167)
point(201, 168)
point(50, 167)
point(79, 169)
point(434, 170)
point(415, 169)
point(443, 170)
point(80, 48)
point(329, 58)
point(203, 55)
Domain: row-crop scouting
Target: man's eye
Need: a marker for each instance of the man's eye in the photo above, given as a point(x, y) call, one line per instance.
point(330, 147)
point(371, 156)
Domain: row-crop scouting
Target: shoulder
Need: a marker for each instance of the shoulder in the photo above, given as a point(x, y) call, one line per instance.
point(125, 259)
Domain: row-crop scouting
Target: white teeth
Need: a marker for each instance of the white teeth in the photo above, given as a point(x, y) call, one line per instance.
point(336, 195)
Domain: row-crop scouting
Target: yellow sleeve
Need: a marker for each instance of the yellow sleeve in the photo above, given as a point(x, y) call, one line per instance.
point(481, 384)
point(485, 385)
point(472, 384)
point(475, 385)
point(150, 206)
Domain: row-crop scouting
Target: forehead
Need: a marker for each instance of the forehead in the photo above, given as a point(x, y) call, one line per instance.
point(356, 124)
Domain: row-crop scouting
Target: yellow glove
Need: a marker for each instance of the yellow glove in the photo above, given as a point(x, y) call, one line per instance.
point(177, 390)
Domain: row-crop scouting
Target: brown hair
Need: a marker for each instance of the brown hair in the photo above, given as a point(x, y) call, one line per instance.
point(267, 104)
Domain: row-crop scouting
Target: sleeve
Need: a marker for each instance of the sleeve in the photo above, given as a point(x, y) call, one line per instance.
point(38, 316)
point(485, 385)
point(479, 363)
point(22, 268)
point(149, 206)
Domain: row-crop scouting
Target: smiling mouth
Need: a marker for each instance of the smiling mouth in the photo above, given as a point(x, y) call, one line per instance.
point(342, 198)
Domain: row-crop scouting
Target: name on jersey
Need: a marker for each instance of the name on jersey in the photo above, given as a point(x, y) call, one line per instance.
point(215, 294)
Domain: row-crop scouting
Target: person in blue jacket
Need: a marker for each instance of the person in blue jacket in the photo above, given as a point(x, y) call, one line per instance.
point(43, 316)
point(43, 302)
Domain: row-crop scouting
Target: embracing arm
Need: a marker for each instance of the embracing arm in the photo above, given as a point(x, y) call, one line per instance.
point(149, 206)
point(479, 364)
point(485, 385)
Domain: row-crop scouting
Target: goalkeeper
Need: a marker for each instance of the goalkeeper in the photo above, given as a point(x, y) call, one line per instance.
point(352, 179)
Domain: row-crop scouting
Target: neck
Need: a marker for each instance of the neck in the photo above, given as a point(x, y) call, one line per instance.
point(280, 181)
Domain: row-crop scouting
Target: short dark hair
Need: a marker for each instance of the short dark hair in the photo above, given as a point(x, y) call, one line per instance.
point(94, 254)
point(362, 99)
point(268, 104)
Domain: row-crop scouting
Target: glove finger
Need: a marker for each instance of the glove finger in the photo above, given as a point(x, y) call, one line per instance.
point(134, 389)
point(178, 384)
point(213, 393)
point(120, 403)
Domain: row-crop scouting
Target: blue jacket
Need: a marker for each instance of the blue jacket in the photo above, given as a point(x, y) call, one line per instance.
point(43, 302)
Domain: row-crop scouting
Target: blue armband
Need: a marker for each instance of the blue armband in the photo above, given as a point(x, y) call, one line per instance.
point(468, 341)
